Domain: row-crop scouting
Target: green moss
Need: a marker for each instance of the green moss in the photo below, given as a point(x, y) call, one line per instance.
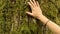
point(14, 20)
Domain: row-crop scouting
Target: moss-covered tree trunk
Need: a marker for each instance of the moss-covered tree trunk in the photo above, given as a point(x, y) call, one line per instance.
point(14, 20)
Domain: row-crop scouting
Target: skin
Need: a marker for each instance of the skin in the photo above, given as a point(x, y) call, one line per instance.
point(37, 13)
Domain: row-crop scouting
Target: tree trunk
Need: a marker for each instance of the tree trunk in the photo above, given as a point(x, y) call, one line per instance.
point(14, 20)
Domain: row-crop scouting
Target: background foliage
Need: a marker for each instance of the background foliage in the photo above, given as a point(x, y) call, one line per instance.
point(14, 20)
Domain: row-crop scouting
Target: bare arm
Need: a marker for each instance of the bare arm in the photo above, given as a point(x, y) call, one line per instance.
point(51, 25)
point(37, 13)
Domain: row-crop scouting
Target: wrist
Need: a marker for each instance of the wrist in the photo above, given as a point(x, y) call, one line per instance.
point(43, 19)
point(41, 15)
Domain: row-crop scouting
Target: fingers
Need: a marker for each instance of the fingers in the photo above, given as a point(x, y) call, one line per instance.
point(30, 4)
point(37, 3)
point(34, 2)
point(29, 13)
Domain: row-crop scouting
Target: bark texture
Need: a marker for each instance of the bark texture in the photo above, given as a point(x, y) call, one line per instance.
point(14, 20)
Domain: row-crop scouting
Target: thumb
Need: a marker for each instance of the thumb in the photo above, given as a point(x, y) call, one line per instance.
point(29, 13)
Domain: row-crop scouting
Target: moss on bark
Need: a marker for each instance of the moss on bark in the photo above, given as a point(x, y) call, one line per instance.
point(14, 20)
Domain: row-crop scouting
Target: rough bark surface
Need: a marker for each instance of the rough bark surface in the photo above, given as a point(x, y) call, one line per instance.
point(14, 20)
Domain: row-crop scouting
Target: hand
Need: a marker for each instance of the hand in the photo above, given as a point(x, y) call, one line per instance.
point(36, 10)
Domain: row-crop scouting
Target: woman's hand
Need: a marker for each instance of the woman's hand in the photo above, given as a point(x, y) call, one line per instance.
point(36, 10)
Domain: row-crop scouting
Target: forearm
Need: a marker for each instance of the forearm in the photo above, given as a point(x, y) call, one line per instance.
point(51, 25)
